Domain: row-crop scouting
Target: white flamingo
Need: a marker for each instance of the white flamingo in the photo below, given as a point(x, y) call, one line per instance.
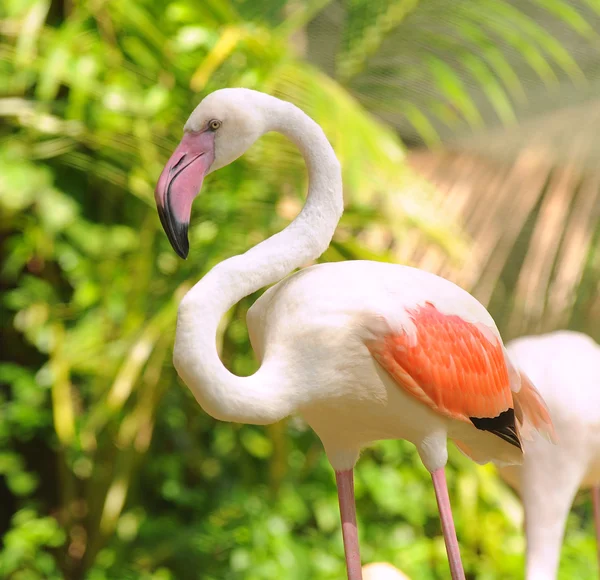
point(565, 366)
point(362, 350)
point(382, 571)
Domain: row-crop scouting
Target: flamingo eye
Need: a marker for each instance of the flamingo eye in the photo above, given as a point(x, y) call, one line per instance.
point(214, 124)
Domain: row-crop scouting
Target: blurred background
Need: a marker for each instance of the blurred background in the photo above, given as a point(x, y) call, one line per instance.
point(467, 131)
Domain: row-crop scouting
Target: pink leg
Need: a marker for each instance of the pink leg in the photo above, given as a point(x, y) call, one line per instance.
point(345, 485)
point(443, 501)
point(596, 501)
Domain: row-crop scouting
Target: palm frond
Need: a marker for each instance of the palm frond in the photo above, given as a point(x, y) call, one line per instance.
point(533, 224)
point(461, 64)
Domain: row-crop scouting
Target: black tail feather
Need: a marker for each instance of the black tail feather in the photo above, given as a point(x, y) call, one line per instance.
point(503, 426)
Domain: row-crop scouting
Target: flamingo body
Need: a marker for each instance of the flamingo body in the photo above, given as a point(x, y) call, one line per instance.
point(565, 366)
point(325, 321)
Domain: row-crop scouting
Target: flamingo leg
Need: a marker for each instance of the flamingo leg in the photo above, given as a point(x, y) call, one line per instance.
point(596, 501)
point(443, 500)
point(345, 485)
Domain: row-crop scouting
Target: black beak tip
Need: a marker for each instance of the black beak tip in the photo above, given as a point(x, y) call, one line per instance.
point(176, 231)
point(183, 248)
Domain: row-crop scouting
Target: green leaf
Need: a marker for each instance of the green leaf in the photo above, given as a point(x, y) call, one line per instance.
point(421, 124)
point(451, 86)
point(492, 88)
point(22, 483)
point(545, 40)
point(567, 13)
point(256, 443)
point(490, 52)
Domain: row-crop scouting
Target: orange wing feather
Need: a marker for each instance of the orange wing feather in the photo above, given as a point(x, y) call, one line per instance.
point(453, 367)
point(531, 411)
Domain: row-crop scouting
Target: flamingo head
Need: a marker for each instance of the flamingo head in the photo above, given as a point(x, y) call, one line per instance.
point(219, 130)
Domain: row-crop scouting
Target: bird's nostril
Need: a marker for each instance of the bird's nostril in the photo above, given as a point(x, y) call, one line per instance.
point(179, 162)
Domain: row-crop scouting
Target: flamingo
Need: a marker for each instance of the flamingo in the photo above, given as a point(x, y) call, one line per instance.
point(382, 571)
point(565, 365)
point(362, 350)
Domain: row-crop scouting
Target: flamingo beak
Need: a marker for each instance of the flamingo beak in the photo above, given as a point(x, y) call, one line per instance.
point(180, 182)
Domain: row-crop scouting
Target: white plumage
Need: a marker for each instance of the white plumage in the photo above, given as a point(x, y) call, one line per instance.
point(565, 367)
point(382, 571)
point(324, 335)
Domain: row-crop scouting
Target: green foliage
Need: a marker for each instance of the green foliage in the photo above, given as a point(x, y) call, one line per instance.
point(444, 66)
point(23, 556)
point(109, 468)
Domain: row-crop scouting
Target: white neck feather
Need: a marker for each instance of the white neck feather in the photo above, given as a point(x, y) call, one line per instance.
point(263, 397)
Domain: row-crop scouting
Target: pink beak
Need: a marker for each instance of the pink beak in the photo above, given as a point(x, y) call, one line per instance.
point(180, 182)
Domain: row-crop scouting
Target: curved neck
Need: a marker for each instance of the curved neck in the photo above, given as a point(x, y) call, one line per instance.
point(263, 397)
